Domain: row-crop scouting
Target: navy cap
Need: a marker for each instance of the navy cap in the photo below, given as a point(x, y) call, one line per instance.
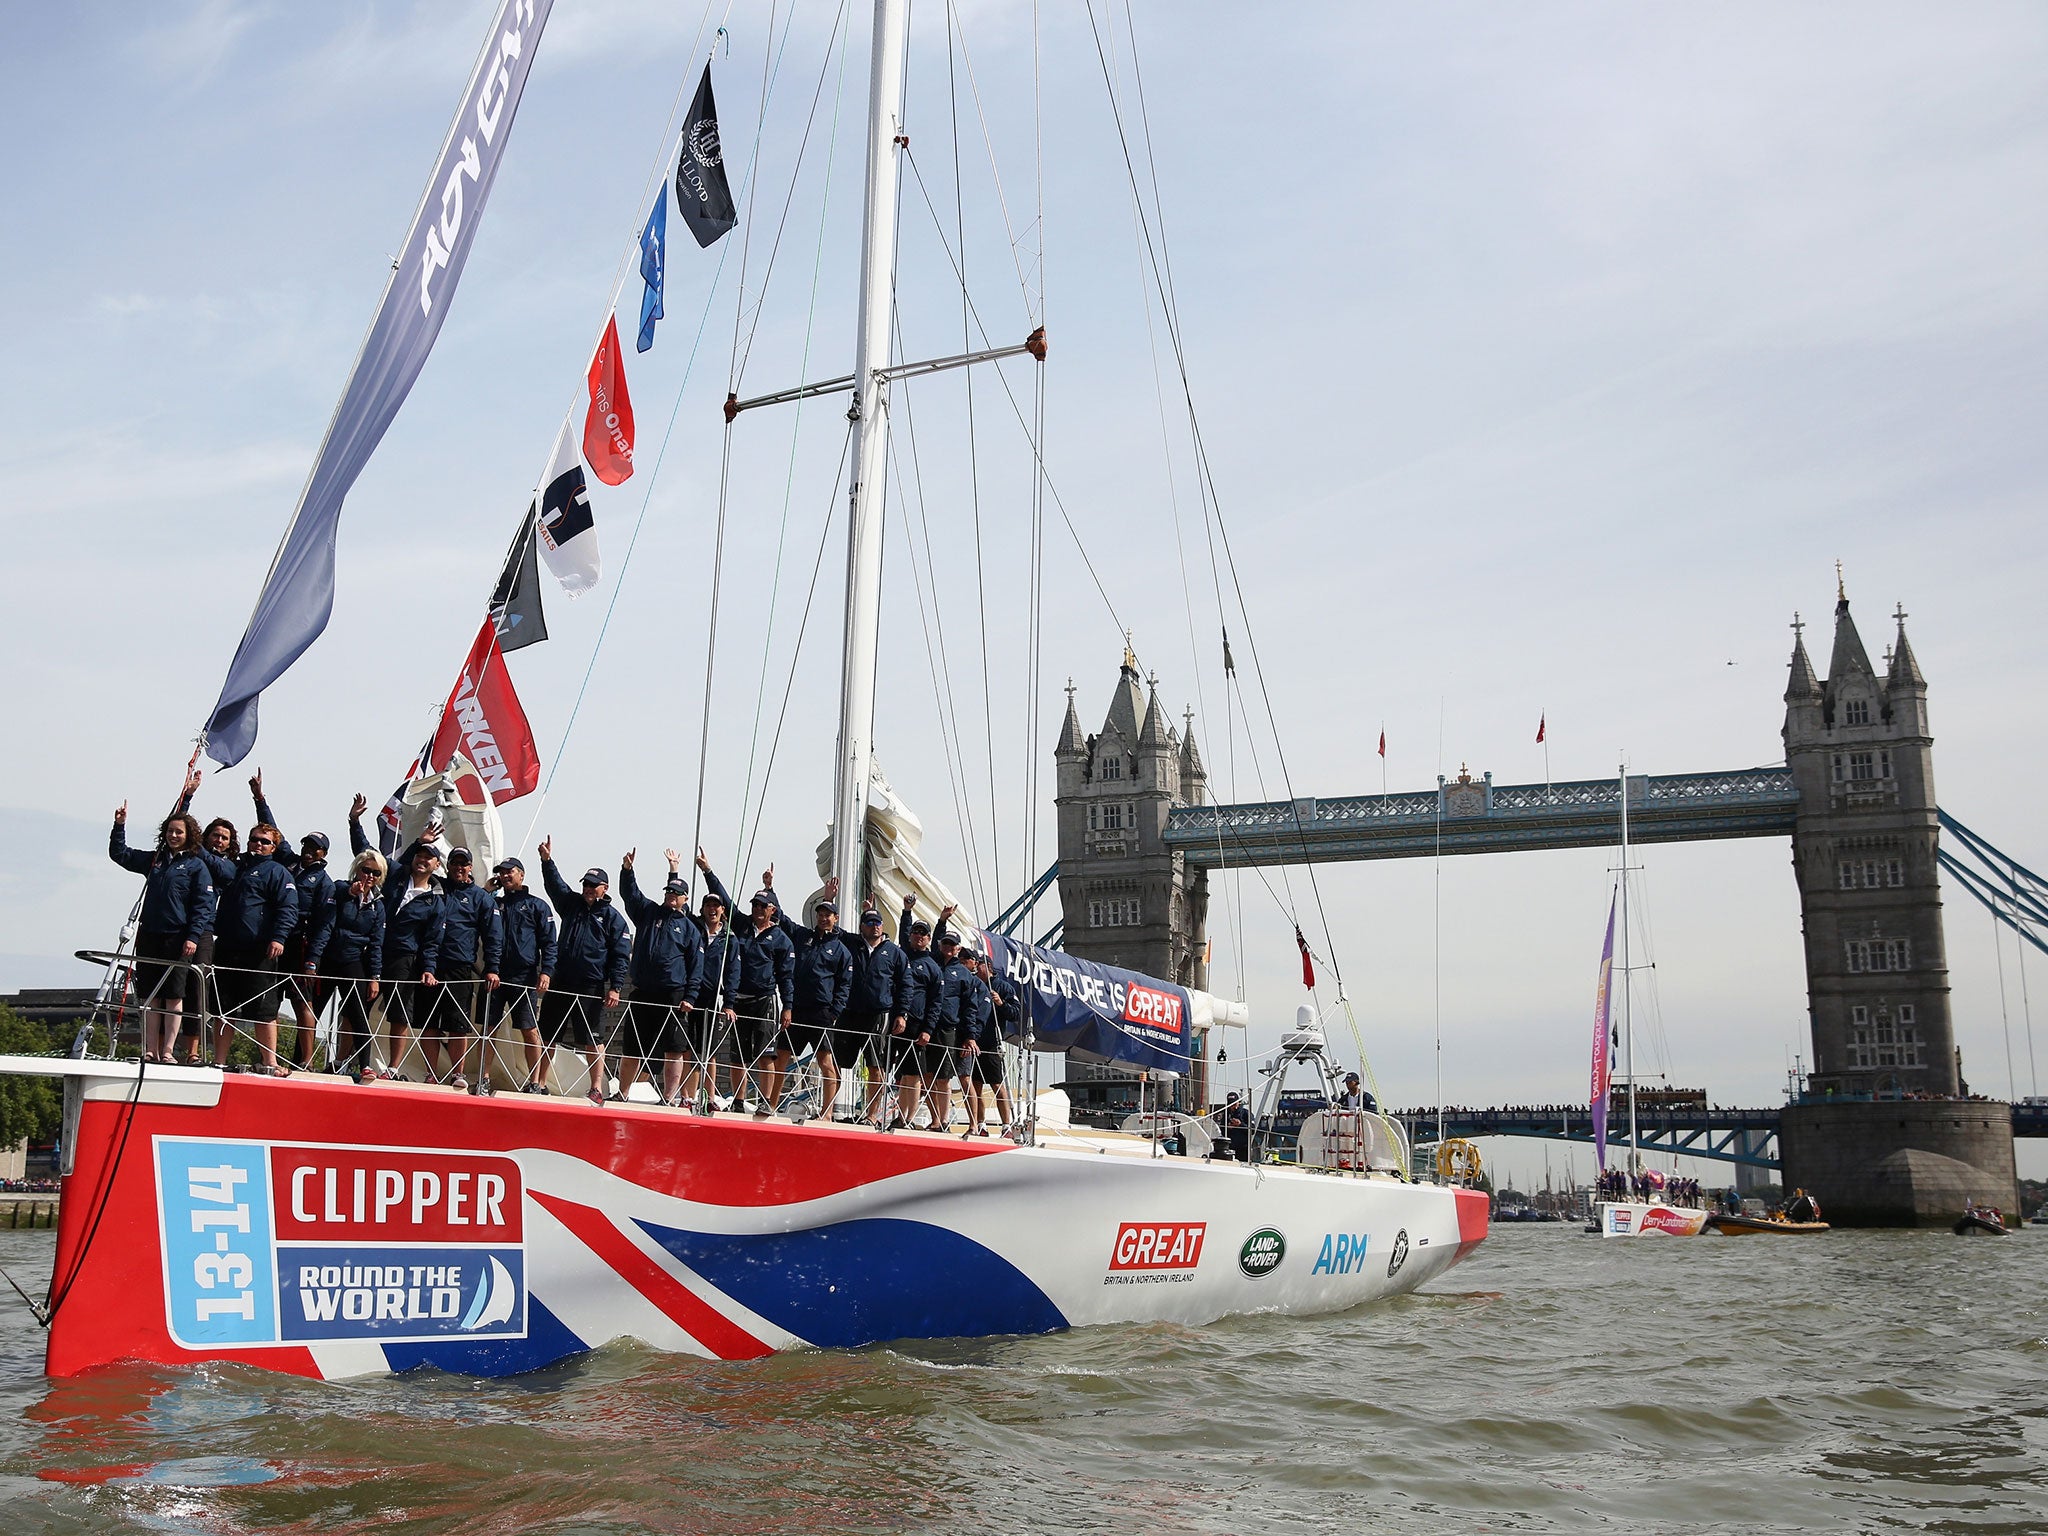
point(677, 883)
point(713, 899)
point(949, 938)
point(763, 899)
point(459, 856)
point(317, 839)
point(871, 918)
point(920, 926)
point(827, 906)
point(595, 876)
point(505, 864)
point(1350, 1077)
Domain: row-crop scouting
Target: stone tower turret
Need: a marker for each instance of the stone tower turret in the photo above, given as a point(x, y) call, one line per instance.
point(1861, 753)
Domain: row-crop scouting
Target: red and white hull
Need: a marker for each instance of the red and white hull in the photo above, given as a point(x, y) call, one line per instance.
point(326, 1229)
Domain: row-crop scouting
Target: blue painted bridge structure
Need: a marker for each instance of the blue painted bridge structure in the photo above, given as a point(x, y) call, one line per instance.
point(1468, 815)
point(1746, 1136)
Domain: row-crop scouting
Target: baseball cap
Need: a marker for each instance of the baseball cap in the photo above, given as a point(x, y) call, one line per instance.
point(317, 839)
point(596, 876)
point(920, 926)
point(871, 918)
point(677, 883)
point(827, 906)
point(763, 899)
point(459, 856)
point(712, 898)
point(505, 864)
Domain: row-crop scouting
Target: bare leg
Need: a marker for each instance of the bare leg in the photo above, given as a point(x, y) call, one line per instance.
point(401, 1037)
point(309, 1032)
point(828, 1077)
point(266, 1041)
point(593, 1060)
point(672, 1070)
point(530, 1040)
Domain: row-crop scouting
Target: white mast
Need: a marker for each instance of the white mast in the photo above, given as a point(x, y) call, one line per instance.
point(870, 416)
point(1628, 1011)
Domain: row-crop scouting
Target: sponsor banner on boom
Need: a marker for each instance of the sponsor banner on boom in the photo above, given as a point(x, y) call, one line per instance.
point(1099, 1012)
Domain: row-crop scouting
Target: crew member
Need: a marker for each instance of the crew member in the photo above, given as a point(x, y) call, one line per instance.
point(526, 965)
point(258, 912)
point(354, 959)
point(1237, 1127)
point(178, 902)
point(956, 1003)
point(1006, 1023)
point(977, 1022)
point(414, 917)
point(593, 955)
point(667, 965)
point(923, 981)
point(874, 1018)
point(823, 985)
point(220, 845)
point(471, 935)
point(764, 981)
point(300, 962)
point(717, 980)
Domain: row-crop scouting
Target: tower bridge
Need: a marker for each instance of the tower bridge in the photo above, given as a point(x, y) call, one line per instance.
point(1855, 796)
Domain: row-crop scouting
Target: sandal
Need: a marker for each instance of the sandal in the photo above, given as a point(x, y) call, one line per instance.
point(459, 1083)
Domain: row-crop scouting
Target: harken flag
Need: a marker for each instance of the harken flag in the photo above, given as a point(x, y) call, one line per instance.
point(483, 721)
point(701, 190)
point(568, 531)
point(608, 424)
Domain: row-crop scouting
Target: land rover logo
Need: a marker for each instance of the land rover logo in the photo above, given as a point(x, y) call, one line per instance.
point(1262, 1253)
point(1400, 1254)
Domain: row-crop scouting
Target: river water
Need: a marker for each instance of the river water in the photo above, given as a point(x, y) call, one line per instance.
point(1860, 1381)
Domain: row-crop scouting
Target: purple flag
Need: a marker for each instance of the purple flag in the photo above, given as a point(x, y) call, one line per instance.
point(1600, 1077)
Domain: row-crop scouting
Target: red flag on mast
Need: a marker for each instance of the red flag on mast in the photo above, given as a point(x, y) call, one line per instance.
point(1308, 960)
point(1542, 721)
point(484, 722)
point(608, 425)
point(1383, 741)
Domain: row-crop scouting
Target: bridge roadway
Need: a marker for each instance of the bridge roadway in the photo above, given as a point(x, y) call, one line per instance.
point(1467, 815)
point(1724, 1135)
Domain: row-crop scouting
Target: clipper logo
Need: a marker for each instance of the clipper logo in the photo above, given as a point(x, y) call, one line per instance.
point(285, 1244)
point(1152, 1252)
point(1622, 1221)
point(1400, 1254)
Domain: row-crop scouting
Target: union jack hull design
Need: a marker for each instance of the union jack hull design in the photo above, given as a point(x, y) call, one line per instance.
point(331, 1230)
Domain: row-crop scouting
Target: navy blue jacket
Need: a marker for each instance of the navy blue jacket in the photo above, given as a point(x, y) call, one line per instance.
point(668, 947)
point(763, 962)
point(719, 976)
point(1009, 1014)
point(922, 981)
point(823, 978)
point(262, 906)
point(978, 1016)
point(595, 948)
point(956, 996)
point(878, 976)
point(415, 928)
point(177, 890)
point(355, 933)
point(470, 914)
point(527, 929)
point(316, 890)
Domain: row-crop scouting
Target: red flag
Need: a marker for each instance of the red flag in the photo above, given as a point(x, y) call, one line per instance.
point(1383, 741)
point(483, 721)
point(608, 427)
point(1308, 961)
point(1541, 721)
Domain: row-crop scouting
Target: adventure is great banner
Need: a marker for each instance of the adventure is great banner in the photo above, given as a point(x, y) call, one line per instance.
point(1098, 1012)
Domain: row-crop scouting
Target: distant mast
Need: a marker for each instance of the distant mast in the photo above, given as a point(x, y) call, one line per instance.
point(1628, 1009)
point(870, 417)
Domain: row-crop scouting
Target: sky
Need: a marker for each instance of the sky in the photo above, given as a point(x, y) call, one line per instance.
point(1547, 361)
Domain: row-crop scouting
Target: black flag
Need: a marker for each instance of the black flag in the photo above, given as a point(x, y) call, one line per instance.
point(515, 605)
point(701, 192)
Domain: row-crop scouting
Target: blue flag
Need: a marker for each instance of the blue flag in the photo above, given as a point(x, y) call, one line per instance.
point(298, 594)
point(652, 239)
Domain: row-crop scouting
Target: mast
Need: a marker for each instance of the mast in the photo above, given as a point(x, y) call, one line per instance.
point(870, 417)
point(1628, 1007)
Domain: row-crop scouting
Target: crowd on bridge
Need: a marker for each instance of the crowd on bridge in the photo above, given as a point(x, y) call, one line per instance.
point(714, 1009)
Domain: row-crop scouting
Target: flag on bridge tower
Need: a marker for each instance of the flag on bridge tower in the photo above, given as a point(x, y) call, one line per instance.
point(1383, 741)
point(1542, 723)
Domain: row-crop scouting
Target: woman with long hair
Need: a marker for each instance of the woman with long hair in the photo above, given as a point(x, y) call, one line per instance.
point(354, 959)
point(178, 902)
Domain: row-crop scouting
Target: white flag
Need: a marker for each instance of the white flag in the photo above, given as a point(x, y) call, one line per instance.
point(568, 532)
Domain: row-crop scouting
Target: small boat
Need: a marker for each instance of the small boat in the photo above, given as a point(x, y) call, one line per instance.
point(1980, 1218)
point(1729, 1224)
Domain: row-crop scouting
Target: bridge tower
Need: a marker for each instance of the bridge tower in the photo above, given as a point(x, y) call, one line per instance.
point(1862, 754)
point(1127, 898)
point(1883, 1135)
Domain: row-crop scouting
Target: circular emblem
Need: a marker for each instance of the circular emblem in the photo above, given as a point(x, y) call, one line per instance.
point(1262, 1252)
point(702, 142)
point(1400, 1254)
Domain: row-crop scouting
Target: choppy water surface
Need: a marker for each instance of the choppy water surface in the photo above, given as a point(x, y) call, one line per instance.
point(1855, 1382)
